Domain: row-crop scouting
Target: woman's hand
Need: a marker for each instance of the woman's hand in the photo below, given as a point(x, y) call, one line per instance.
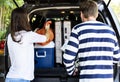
point(47, 25)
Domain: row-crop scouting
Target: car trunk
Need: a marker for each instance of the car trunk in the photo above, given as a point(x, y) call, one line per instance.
point(64, 14)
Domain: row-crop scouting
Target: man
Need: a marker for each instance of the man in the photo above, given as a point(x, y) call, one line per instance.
point(96, 46)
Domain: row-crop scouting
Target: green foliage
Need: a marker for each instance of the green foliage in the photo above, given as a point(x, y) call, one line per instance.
point(2, 34)
point(6, 8)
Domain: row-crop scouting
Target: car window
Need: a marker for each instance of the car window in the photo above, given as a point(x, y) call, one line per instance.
point(114, 4)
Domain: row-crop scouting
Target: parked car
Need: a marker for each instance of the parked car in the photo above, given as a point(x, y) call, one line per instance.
point(64, 14)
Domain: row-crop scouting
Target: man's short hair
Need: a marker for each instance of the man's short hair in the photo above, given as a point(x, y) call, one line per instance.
point(89, 8)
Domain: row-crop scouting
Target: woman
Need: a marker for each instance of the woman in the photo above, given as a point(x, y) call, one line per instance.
point(43, 30)
point(20, 46)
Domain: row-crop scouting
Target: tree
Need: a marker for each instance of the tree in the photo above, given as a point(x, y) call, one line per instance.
point(6, 7)
point(1, 12)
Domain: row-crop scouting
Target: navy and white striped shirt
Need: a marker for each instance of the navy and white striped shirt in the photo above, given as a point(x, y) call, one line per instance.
point(97, 48)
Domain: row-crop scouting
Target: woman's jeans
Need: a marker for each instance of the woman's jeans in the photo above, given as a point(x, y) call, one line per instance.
point(15, 80)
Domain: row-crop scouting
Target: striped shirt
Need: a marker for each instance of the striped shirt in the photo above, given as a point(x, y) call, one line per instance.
point(96, 46)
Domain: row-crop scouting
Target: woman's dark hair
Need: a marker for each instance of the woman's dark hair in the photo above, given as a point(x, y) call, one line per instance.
point(38, 21)
point(19, 21)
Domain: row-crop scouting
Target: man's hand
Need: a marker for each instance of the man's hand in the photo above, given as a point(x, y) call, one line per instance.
point(75, 72)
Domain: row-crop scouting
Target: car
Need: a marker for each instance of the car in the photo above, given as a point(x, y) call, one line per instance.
point(64, 14)
point(2, 42)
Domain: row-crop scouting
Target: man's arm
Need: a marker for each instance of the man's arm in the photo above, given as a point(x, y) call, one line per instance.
point(70, 53)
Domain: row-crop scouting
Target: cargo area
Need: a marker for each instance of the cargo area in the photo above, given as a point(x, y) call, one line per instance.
point(48, 59)
point(63, 20)
point(50, 66)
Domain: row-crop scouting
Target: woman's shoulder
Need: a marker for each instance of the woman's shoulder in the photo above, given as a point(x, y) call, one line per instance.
point(27, 32)
point(9, 35)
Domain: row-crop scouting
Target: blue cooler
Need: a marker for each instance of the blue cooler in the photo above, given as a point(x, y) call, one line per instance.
point(44, 56)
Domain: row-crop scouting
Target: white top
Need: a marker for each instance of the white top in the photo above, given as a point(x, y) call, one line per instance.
point(22, 55)
point(49, 45)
